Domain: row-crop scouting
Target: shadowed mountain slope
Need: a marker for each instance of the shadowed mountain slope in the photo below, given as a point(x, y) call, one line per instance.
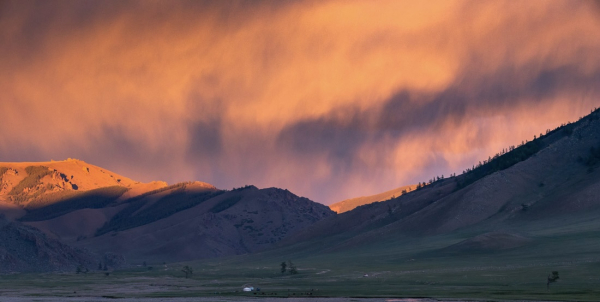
point(352, 203)
point(87, 206)
point(220, 223)
point(554, 175)
point(26, 249)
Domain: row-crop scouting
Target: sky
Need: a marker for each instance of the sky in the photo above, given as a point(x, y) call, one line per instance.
point(329, 99)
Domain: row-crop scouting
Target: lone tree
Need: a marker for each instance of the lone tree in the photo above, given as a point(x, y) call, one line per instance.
point(283, 267)
point(81, 269)
point(552, 278)
point(188, 271)
point(292, 266)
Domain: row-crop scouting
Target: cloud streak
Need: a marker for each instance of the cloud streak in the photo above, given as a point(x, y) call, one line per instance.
point(331, 99)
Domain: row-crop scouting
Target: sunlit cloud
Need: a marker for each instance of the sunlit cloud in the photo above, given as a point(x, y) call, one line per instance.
point(330, 99)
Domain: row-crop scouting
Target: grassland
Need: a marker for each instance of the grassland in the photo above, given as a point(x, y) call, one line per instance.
point(398, 266)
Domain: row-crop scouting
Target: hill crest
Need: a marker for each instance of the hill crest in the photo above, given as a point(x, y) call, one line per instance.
point(352, 203)
point(37, 183)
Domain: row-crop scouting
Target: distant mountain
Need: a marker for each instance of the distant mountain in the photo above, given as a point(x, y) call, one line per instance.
point(34, 185)
point(215, 223)
point(352, 203)
point(87, 206)
point(538, 183)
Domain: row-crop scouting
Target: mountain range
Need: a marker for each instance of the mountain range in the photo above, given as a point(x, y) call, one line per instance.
point(88, 214)
point(545, 181)
point(101, 212)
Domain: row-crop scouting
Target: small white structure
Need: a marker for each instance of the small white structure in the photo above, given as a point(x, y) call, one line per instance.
point(248, 289)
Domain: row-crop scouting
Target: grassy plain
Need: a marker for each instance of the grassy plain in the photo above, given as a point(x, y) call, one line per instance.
point(398, 266)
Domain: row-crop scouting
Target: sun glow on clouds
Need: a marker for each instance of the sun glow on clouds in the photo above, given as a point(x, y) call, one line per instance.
point(330, 99)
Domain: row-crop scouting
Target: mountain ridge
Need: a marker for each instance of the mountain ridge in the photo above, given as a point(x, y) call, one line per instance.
point(351, 203)
point(560, 177)
point(89, 207)
point(538, 181)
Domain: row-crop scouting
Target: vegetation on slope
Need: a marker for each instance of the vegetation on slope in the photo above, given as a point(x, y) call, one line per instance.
point(93, 199)
point(501, 162)
point(39, 199)
point(513, 155)
point(178, 200)
point(2, 171)
point(226, 204)
point(34, 175)
point(592, 159)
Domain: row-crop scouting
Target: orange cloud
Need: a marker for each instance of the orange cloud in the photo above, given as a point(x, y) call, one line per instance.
point(331, 99)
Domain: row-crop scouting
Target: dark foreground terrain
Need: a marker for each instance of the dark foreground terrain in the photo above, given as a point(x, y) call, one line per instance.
point(229, 299)
point(400, 267)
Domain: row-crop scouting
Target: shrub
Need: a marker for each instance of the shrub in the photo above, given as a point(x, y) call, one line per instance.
point(552, 277)
point(593, 157)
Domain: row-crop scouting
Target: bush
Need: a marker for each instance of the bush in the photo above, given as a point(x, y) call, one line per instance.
point(593, 157)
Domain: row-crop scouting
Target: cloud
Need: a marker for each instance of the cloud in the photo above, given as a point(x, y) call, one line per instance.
point(331, 99)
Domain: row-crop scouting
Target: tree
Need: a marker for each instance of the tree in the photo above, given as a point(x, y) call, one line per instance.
point(81, 269)
point(188, 271)
point(552, 278)
point(292, 266)
point(283, 267)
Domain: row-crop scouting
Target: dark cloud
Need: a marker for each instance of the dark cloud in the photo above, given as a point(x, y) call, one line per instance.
point(340, 136)
point(330, 99)
point(115, 149)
